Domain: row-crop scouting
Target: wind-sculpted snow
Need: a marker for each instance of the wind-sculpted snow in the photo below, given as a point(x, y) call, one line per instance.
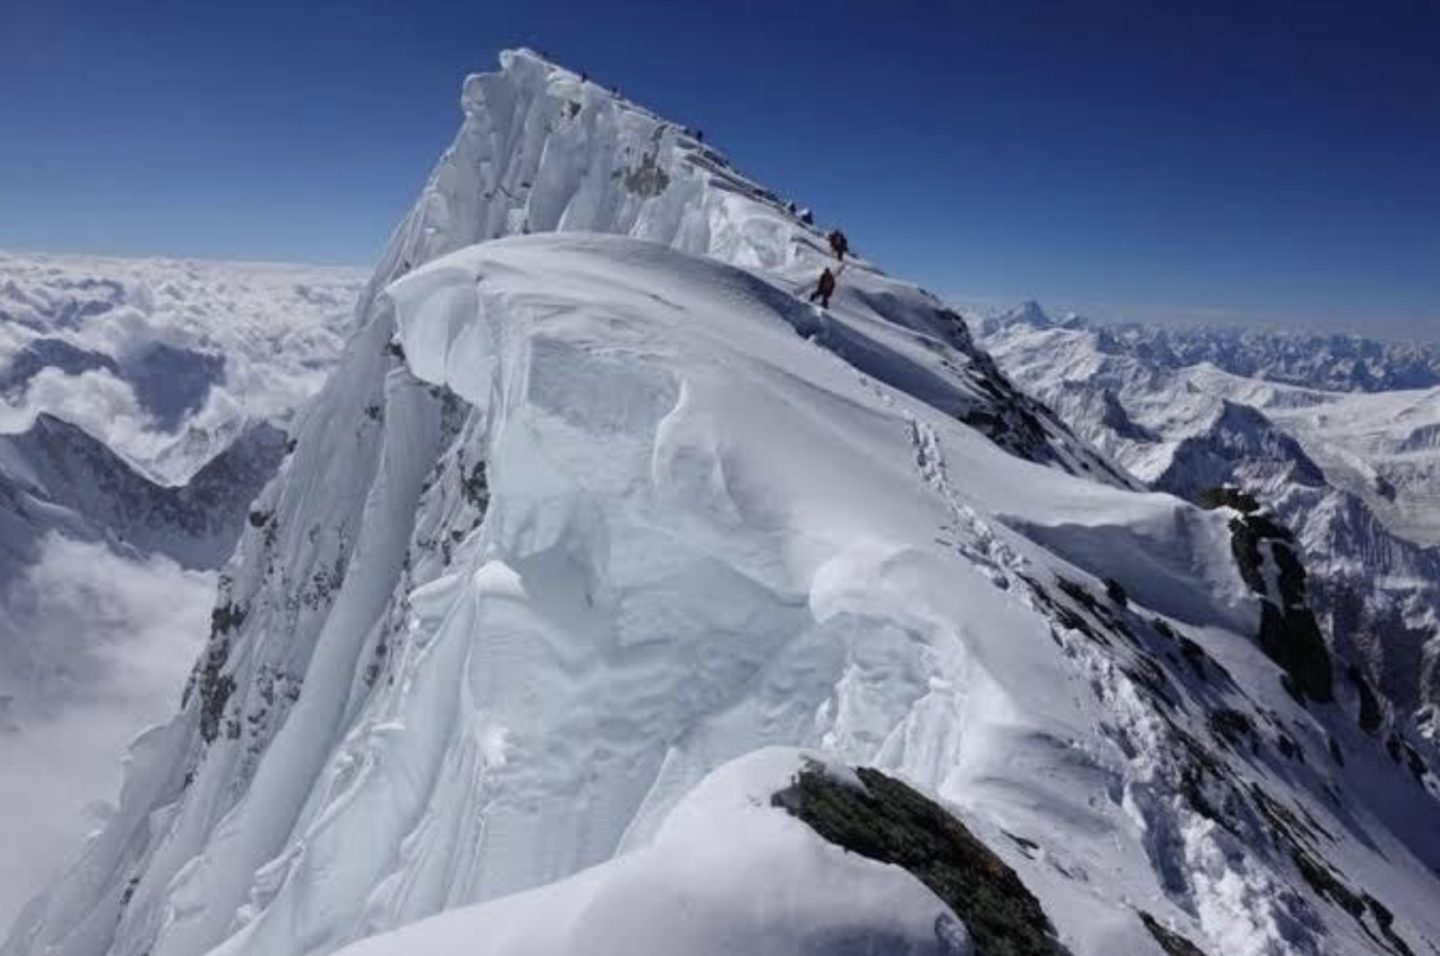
point(541, 150)
point(726, 873)
point(581, 519)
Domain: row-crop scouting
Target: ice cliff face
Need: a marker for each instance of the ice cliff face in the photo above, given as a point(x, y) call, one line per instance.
point(588, 515)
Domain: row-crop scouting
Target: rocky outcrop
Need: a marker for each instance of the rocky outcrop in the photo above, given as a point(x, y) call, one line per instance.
point(888, 821)
point(1269, 562)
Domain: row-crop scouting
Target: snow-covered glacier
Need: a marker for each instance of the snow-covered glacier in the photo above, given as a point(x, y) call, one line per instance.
point(615, 596)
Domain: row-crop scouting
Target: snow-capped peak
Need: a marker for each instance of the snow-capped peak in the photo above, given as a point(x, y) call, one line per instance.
point(598, 503)
point(1028, 313)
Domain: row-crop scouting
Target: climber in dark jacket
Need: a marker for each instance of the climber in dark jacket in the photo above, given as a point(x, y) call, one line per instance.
point(838, 243)
point(825, 289)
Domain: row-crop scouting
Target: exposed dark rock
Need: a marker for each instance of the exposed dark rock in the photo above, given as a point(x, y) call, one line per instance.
point(892, 823)
point(225, 617)
point(215, 689)
point(1385, 920)
point(1416, 763)
point(648, 179)
point(476, 487)
point(1233, 727)
point(1370, 715)
point(1195, 655)
point(1104, 613)
point(1204, 780)
point(1289, 633)
point(1173, 943)
point(1228, 497)
point(1151, 676)
point(1301, 839)
point(1326, 883)
point(129, 892)
point(196, 523)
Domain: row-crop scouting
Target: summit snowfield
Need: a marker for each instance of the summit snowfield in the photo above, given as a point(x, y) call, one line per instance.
point(615, 598)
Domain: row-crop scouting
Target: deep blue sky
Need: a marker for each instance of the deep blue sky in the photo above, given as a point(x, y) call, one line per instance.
point(1241, 160)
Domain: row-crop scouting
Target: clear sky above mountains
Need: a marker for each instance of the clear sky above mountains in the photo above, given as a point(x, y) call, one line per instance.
point(1215, 159)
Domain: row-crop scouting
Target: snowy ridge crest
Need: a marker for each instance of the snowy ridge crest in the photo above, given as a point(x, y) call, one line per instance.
point(588, 515)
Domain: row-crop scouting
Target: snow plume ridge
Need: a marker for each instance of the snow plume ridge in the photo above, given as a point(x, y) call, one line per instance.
point(583, 519)
point(542, 149)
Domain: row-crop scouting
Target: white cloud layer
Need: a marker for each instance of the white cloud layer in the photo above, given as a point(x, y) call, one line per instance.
point(100, 648)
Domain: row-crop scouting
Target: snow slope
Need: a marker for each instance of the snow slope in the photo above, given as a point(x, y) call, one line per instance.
point(1383, 448)
point(581, 519)
point(1355, 475)
point(726, 873)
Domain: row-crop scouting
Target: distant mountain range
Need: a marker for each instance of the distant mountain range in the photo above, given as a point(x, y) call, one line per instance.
point(1354, 472)
point(1329, 361)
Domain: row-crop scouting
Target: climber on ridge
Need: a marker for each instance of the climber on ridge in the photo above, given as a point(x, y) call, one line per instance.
point(838, 244)
point(825, 289)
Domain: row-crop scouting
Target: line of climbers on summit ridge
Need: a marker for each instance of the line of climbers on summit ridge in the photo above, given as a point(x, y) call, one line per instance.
point(839, 245)
point(839, 242)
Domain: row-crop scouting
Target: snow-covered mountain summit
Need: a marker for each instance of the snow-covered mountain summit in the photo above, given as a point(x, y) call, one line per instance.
point(597, 513)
